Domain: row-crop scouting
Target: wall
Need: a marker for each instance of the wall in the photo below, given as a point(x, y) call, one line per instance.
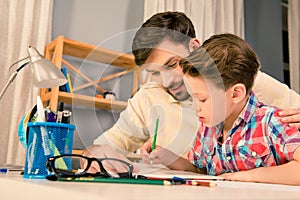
point(263, 31)
point(94, 21)
point(110, 24)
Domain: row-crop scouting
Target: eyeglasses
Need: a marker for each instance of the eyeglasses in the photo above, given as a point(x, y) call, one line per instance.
point(73, 166)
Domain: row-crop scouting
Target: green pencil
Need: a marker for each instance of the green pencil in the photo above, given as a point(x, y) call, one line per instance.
point(118, 180)
point(155, 134)
point(154, 138)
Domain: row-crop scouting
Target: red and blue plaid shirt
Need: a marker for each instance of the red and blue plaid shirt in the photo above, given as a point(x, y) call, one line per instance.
point(256, 139)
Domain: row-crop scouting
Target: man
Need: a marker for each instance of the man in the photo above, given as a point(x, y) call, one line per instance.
point(158, 45)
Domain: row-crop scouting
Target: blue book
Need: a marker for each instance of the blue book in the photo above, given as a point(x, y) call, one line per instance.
point(65, 87)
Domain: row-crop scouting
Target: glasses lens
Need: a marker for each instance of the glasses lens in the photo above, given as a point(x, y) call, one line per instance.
point(117, 168)
point(70, 165)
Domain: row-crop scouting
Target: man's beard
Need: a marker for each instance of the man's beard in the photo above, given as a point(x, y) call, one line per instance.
point(182, 95)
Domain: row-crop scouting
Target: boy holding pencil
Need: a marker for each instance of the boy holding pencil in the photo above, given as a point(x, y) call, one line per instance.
point(240, 138)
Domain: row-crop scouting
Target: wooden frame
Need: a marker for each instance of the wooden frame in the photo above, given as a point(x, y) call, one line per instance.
point(55, 50)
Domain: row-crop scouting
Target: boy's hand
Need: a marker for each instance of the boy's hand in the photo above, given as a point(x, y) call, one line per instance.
point(290, 116)
point(169, 159)
point(238, 176)
point(145, 151)
point(147, 147)
point(160, 155)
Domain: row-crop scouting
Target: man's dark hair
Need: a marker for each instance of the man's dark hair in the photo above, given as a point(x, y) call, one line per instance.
point(174, 26)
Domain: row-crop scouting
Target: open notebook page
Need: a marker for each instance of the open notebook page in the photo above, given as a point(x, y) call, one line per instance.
point(159, 171)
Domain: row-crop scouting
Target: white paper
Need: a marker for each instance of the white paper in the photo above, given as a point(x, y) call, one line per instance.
point(159, 171)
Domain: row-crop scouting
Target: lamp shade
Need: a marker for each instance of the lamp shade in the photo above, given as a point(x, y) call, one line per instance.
point(45, 73)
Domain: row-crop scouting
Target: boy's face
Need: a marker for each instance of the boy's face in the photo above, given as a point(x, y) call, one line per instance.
point(163, 65)
point(209, 101)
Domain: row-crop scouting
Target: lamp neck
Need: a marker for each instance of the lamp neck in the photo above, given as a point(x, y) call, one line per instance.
point(14, 74)
point(22, 66)
point(27, 59)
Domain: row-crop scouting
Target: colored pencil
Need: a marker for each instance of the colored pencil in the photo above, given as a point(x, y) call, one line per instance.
point(118, 180)
point(155, 134)
point(200, 183)
point(154, 138)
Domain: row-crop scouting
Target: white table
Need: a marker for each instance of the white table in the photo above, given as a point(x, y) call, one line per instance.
point(14, 186)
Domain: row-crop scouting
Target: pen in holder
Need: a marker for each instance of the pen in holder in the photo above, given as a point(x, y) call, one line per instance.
point(46, 139)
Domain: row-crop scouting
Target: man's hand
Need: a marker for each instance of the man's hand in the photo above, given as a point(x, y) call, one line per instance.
point(290, 116)
point(104, 151)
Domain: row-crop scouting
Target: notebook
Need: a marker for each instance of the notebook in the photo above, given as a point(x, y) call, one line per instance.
point(161, 172)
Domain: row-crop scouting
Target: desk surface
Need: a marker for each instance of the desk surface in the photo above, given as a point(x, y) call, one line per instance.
point(16, 187)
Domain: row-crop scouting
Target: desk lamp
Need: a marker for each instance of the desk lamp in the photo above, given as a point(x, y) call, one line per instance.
point(45, 73)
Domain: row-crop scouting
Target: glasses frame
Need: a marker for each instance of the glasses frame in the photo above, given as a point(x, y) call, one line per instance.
point(102, 173)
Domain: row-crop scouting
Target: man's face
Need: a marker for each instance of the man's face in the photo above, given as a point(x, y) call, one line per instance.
point(163, 64)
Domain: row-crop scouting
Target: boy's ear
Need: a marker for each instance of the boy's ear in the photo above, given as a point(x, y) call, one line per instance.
point(194, 44)
point(238, 92)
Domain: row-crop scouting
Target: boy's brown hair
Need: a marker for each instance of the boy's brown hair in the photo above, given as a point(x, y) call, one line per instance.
point(226, 59)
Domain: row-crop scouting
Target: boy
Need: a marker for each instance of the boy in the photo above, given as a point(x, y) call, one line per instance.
point(251, 143)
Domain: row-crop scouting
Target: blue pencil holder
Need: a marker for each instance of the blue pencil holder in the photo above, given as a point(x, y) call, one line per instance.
point(46, 139)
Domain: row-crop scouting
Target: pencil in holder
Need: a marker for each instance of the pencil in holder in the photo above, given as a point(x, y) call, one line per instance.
point(46, 139)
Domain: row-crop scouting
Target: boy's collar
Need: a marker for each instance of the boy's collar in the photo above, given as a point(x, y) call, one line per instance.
point(249, 108)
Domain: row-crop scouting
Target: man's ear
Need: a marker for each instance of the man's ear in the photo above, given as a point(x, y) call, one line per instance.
point(238, 92)
point(194, 44)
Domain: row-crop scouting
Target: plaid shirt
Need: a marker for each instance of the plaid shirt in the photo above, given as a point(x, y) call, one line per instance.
point(249, 143)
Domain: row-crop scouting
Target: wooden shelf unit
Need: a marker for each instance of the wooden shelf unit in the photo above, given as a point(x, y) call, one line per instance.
point(55, 50)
